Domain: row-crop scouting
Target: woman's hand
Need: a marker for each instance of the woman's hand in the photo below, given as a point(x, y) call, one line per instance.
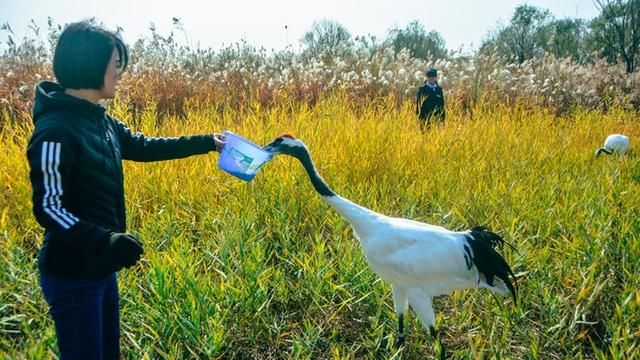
point(219, 139)
point(124, 249)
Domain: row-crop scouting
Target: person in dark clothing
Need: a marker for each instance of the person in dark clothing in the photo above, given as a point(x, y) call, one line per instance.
point(75, 156)
point(430, 101)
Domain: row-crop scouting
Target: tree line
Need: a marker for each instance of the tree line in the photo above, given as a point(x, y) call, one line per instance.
point(531, 32)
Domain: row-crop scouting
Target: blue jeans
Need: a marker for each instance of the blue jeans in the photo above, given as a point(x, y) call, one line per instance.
point(86, 316)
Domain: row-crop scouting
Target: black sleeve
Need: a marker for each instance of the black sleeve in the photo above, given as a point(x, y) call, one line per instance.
point(418, 98)
point(51, 154)
point(137, 147)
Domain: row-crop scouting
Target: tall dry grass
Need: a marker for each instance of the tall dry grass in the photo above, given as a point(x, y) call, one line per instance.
point(179, 78)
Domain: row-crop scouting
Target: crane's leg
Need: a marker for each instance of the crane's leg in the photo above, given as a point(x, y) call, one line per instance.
point(400, 305)
point(422, 305)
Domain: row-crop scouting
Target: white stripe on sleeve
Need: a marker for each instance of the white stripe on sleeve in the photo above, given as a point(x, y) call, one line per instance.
point(52, 192)
point(58, 184)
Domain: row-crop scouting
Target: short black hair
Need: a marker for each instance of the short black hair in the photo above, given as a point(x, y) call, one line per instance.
point(83, 53)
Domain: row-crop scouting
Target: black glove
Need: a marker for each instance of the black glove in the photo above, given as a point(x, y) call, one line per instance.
point(123, 249)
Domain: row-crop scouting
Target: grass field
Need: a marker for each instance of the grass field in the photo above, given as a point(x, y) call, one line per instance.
point(267, 270)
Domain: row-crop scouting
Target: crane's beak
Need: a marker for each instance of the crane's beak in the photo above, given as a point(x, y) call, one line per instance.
point(271, 147)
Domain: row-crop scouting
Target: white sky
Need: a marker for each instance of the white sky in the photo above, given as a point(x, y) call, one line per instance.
point(262, 22)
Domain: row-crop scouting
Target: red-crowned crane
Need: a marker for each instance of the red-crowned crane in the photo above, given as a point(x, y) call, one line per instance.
point(614, 143)
point(419, 260)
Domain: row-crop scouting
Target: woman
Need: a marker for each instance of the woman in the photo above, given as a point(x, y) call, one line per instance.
point(75, 156)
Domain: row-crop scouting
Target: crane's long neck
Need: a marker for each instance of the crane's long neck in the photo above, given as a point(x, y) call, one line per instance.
point(603, 150)
point(318, 183)
point(362, 220)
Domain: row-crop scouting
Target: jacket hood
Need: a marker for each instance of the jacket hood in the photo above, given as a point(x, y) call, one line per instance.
point(51, 96)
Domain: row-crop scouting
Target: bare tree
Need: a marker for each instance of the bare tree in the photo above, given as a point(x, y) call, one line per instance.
point(616, 31)
point(566, 38)
point(526, 35)
point(420, 43)
point(327, 38)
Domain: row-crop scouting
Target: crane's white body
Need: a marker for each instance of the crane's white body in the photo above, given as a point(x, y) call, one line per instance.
point(409, 253)
point(615, 144)
point(419, 260)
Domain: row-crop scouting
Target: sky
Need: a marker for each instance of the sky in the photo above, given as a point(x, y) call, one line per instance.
point(276, 24)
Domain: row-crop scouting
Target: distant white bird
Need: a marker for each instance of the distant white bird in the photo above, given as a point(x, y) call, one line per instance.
point(419, 260)
point(615, 143)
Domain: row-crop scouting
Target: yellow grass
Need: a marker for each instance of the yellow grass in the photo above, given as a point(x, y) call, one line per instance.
point(267, 270)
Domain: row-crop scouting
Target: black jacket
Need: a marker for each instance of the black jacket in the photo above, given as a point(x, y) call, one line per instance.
point(75, 156)
point(430, 102)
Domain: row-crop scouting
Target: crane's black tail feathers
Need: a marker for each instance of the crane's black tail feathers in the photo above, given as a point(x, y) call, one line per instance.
point(487, 260)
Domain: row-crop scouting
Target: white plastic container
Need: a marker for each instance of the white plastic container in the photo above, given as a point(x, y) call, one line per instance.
point(242, 158)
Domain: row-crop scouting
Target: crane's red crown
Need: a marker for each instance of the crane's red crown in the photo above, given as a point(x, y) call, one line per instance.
point(287, 135)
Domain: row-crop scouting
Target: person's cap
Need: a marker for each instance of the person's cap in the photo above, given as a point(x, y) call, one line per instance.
point(432, 72)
